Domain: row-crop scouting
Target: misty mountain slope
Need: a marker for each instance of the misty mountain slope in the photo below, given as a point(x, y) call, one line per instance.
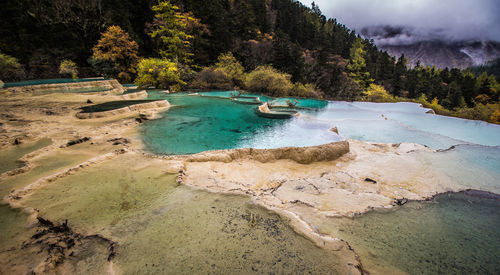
point(441, 54)
point(432, 48)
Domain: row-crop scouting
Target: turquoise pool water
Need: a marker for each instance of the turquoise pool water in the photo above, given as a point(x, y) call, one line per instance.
point(50, 81)
point(405, 122)
point(300, 103)
point(201, 123)
point(211, 121)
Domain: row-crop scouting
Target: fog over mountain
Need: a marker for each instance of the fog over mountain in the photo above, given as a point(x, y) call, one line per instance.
point(452, 19)
point(445, 33)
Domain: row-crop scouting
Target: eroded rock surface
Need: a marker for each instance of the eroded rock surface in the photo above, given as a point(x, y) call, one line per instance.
point(303, 155)
point(337, 187)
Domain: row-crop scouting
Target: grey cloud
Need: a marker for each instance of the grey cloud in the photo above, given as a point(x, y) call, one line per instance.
point(429, 19)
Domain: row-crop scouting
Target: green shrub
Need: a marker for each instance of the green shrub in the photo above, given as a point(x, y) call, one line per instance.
point(434, 105)
point(160, 73)
point(301, 90)
point(495, 116)
point(226, 74)
point(486, 112)
point(10, 68)
point(231, 67)
point(267, 80)
point(68, 68)
point(377, 93)
point(209, 78)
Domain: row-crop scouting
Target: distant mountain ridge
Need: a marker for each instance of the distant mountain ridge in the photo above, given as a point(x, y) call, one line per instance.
point(432, 49)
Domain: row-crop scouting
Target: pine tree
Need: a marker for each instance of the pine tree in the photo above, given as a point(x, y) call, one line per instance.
point(169, 28)
point(288, 57)
point(399, 82)
point(357, 64)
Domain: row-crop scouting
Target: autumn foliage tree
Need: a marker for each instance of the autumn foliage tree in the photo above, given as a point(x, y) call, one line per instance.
point(116, 54)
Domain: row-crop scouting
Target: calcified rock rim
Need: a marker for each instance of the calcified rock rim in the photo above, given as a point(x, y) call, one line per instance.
point(112, 84)
point(303, 155)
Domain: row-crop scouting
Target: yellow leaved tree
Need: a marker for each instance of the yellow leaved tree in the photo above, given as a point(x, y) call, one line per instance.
point(115, 54)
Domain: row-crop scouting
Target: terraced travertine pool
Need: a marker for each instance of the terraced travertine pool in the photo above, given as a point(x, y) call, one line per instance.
point(10, 157)
point(210, 121)
point(446, 239)
point(162, 227)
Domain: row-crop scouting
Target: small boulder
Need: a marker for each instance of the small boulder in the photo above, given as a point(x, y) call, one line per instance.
point(89, 101)
point(76, 141)
point(401, 201)
point(141, 118)
point(335, 130)
point(118, 141)
point(371, 180)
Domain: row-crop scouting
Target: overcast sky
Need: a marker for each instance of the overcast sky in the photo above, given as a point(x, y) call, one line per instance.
point(458, 19)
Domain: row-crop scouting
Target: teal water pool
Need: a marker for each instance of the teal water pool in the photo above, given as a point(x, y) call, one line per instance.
point(200, 123)
point(279, 102)
point(51, 81)
point(212, 121)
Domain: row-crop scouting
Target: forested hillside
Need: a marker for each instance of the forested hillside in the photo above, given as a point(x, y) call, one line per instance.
point(319, 56)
